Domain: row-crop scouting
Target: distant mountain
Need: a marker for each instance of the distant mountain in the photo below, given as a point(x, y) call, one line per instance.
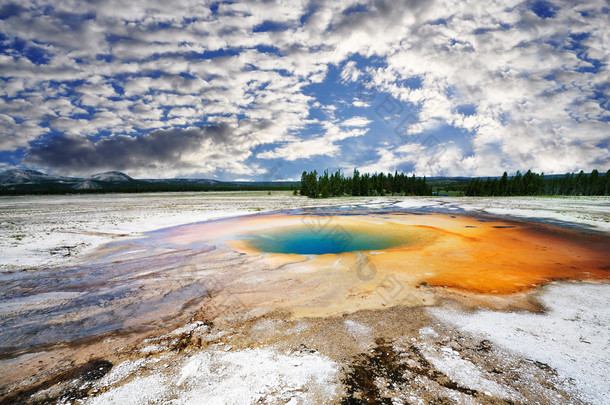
point(18, 176)
point(208, 182)
point(111, 176)
point(16, 181)
point(87, 185)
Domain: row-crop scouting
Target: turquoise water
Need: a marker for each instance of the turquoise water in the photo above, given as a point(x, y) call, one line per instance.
point(307, 241)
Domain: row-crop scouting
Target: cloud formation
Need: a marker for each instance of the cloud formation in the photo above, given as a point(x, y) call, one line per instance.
point(202, 88)
point(184, 149)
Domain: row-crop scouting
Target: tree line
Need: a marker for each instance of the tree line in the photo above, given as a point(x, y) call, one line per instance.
point(327, 185)
point(532, 183)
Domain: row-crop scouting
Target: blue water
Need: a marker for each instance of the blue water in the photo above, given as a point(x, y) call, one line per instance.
point(308, 241)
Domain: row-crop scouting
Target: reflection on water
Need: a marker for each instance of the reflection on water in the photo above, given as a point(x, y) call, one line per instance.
point(256, 262)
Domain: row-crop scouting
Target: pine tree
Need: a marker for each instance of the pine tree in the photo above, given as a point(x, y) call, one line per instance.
point(304, 190)
point(356, 183)
point(593, 183)
point(324, 185)
point(503, 186)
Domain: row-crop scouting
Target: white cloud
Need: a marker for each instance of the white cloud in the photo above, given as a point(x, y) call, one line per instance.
point(356, 122)
point(120, 68)
point(360, 103)
point(350, 72)
point(13, 135)
point(301, 150)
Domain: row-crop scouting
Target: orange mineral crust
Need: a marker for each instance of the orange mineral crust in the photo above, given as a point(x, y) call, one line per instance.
point(465, 252)
point(320, 265)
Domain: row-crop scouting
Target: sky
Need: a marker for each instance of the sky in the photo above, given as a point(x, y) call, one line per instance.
point(262, 90)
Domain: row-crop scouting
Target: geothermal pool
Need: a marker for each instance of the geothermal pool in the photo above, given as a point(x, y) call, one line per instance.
point(305, 239)
point(314, 263)
point(314, 267)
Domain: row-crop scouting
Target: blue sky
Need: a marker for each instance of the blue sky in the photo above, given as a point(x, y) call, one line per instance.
point(262, 90)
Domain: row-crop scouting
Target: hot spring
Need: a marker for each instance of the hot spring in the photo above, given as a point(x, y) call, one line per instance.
point(307, 264)
point(310, 240)
point(314, 265)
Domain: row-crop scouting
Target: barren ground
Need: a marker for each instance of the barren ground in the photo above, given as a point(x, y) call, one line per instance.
point(454, 350)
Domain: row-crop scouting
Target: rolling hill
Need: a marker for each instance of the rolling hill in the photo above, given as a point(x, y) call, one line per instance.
point(18, 181)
